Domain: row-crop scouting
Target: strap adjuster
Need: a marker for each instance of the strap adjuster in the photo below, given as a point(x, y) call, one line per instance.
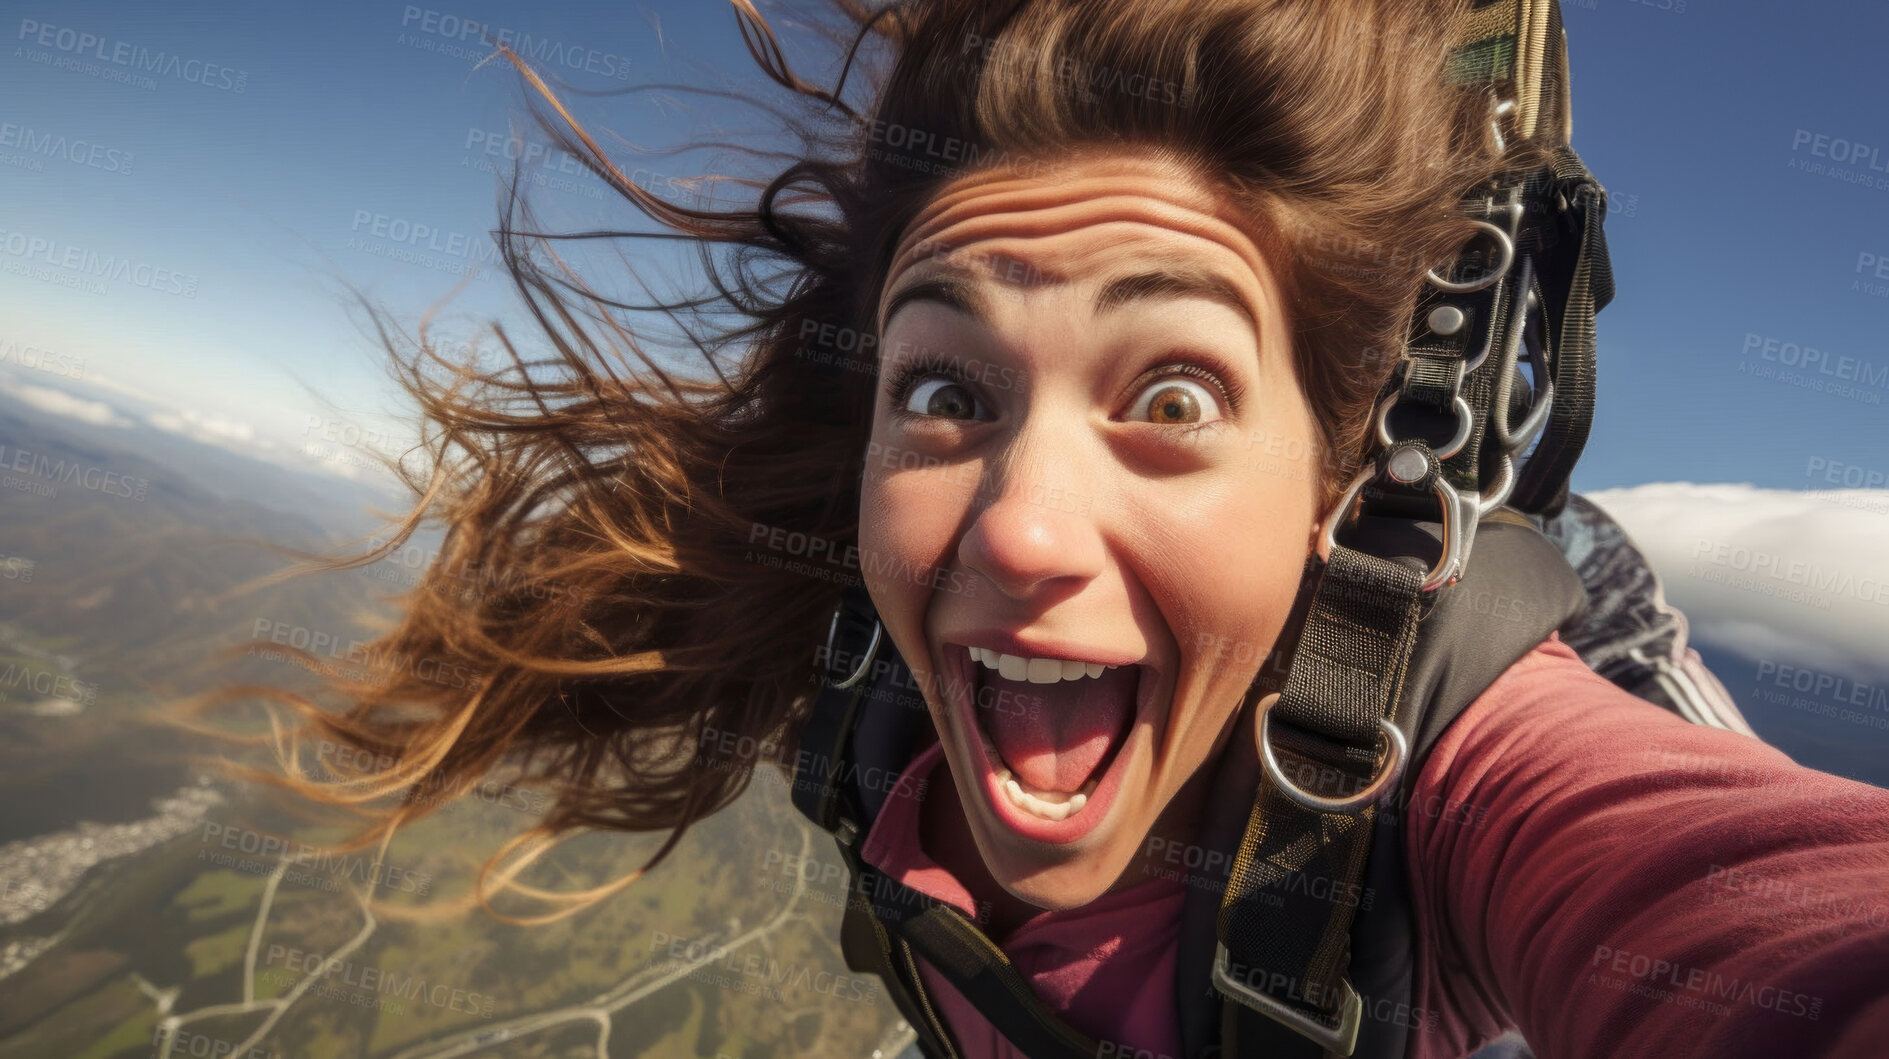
point(1397, 752)
point(1457, 514)
point(1341, 1039)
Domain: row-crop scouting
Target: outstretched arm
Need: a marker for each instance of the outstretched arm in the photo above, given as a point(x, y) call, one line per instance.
point(1622, 883)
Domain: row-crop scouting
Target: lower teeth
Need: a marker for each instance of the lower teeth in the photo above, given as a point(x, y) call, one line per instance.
point(1047, 805)
point(1040, 806)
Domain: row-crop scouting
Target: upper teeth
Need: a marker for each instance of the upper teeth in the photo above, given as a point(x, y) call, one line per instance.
point(1036, 670)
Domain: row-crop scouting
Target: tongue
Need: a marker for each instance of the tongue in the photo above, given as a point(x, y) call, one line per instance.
point(1053, 736)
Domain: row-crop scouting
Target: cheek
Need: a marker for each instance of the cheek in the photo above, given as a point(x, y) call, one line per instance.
point(1229, 562)
point(907, 530)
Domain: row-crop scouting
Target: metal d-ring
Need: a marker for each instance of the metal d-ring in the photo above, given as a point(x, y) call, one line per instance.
point(1398, 750)
point(865, 663)
point(1508, 258)
point(1448, 566)
point(1465, 417)
point(1498, 493)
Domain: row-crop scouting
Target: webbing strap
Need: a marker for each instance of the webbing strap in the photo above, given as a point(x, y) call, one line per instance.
point(1347, 673)
point(1574, 292)
point(1357, 634)
point(973, 964)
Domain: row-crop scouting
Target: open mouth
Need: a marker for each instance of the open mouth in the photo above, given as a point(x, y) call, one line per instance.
point(1053, 735)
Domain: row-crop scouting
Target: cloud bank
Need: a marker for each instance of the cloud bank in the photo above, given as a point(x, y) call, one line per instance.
point(1773, 575)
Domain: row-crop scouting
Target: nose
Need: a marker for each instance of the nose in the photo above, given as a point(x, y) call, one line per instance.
point(1033, 537)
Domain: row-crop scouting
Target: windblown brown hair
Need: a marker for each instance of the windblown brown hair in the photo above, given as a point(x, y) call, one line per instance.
point(598, 506)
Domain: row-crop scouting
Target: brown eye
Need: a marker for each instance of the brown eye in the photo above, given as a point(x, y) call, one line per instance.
point(1177, 402)
point(942, 397)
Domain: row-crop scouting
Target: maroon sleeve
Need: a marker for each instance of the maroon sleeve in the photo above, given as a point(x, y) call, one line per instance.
point(1613, 881)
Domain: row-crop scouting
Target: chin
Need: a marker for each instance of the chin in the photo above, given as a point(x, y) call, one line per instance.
point(1065, 886)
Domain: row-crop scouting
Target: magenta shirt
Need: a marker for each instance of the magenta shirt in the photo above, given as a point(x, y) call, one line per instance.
point(1627, 884)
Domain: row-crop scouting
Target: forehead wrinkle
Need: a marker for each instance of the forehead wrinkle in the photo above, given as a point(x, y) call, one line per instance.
point(1069, 214)
point(1147, 248)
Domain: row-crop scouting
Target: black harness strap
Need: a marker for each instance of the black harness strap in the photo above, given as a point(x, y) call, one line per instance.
point(975, 967)
point(1574, 289)
point(1347, 671)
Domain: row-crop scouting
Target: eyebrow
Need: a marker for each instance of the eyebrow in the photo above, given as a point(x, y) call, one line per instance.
point(956, 292)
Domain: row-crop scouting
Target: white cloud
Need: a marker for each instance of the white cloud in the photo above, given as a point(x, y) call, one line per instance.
point(1796, 577)
point(209, 429)
point(59, 403)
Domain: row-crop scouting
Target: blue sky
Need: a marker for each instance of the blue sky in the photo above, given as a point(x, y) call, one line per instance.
point(1705, 124)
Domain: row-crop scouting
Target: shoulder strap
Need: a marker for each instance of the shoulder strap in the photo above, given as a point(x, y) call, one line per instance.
point(1299, 944)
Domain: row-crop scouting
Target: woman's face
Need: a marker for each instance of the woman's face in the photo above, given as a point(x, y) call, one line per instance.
point(1088, 467)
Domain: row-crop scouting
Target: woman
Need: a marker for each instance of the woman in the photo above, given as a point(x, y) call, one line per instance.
point(1071, 354)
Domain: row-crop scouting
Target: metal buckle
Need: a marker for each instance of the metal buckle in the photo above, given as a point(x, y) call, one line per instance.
point(1488, 278)
point(1456, 511)
point(865, 663)
point(1499, 492)
point(1393, 767)
point(1341, 1039)
point(1464, 417)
